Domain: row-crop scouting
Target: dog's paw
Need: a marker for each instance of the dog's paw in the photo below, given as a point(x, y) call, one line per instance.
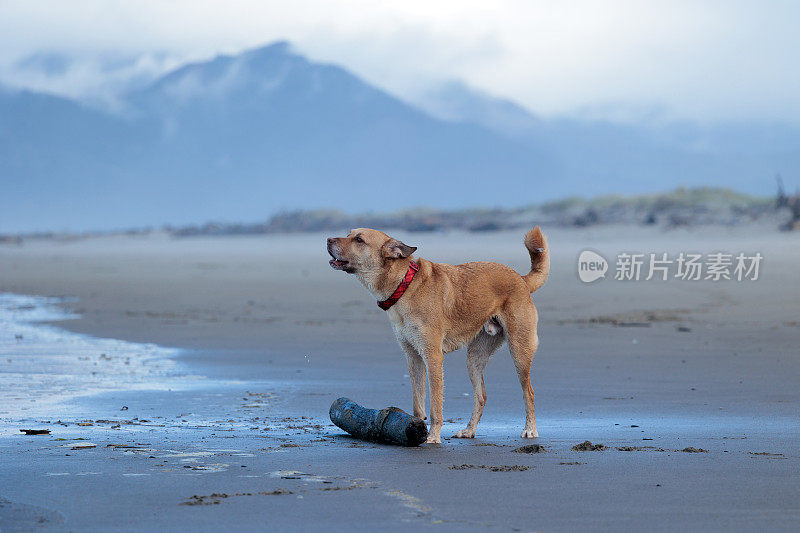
point(433, 440)
point(530, 434)
point(465, 434)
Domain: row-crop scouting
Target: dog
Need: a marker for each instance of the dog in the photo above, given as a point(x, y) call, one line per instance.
point(436, 308)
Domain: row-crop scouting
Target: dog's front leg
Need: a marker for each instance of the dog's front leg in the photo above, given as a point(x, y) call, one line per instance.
point(434, 359)
point(416, 371)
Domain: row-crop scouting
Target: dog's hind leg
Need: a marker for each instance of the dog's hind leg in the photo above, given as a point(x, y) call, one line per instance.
point(416, 371)
point(520, 325)
point(479, 351)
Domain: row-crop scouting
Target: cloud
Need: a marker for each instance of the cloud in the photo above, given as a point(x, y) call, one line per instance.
point(98, 78)
point(699, 59)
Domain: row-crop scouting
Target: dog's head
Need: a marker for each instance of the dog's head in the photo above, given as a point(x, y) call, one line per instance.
point(365, 251)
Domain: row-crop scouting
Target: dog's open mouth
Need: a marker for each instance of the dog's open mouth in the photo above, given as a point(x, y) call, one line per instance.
point(336, 264)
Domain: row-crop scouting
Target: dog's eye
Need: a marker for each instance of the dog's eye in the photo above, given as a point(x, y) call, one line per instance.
point(359, 239)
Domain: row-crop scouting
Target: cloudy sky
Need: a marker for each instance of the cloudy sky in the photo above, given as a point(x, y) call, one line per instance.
point(695, 59)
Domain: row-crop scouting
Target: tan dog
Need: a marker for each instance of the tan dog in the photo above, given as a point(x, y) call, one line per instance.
point(445, 307)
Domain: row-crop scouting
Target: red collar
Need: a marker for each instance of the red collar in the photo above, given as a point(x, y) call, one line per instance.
point(391, 300)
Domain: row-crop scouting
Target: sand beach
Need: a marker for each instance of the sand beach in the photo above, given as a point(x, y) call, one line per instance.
point(236, 346)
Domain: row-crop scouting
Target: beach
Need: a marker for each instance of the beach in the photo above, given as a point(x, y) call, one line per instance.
point(238, 345)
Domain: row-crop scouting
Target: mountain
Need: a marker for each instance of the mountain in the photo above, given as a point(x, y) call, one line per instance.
point(601, 156)
point(240, 137)
point(455, 101)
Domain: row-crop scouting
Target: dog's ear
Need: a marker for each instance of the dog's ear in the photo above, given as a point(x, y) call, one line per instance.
point(394, 249)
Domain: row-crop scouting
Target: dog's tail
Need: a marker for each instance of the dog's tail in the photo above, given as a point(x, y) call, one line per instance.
point(540, 259)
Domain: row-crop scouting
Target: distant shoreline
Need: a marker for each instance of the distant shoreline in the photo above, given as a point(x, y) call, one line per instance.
point(682, 207)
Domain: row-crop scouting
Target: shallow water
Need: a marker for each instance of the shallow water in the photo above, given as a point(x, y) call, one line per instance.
point(42, 366)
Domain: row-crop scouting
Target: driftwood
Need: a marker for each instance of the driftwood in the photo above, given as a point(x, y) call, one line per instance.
point(35, 431)
point(390, 425)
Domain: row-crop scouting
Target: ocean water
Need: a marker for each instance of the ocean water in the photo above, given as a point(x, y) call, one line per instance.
point(43, 366)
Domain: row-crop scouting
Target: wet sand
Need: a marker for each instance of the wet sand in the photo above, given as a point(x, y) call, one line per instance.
point(646, 368)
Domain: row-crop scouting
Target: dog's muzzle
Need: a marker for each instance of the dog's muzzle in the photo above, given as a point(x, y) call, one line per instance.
point(335, 262)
